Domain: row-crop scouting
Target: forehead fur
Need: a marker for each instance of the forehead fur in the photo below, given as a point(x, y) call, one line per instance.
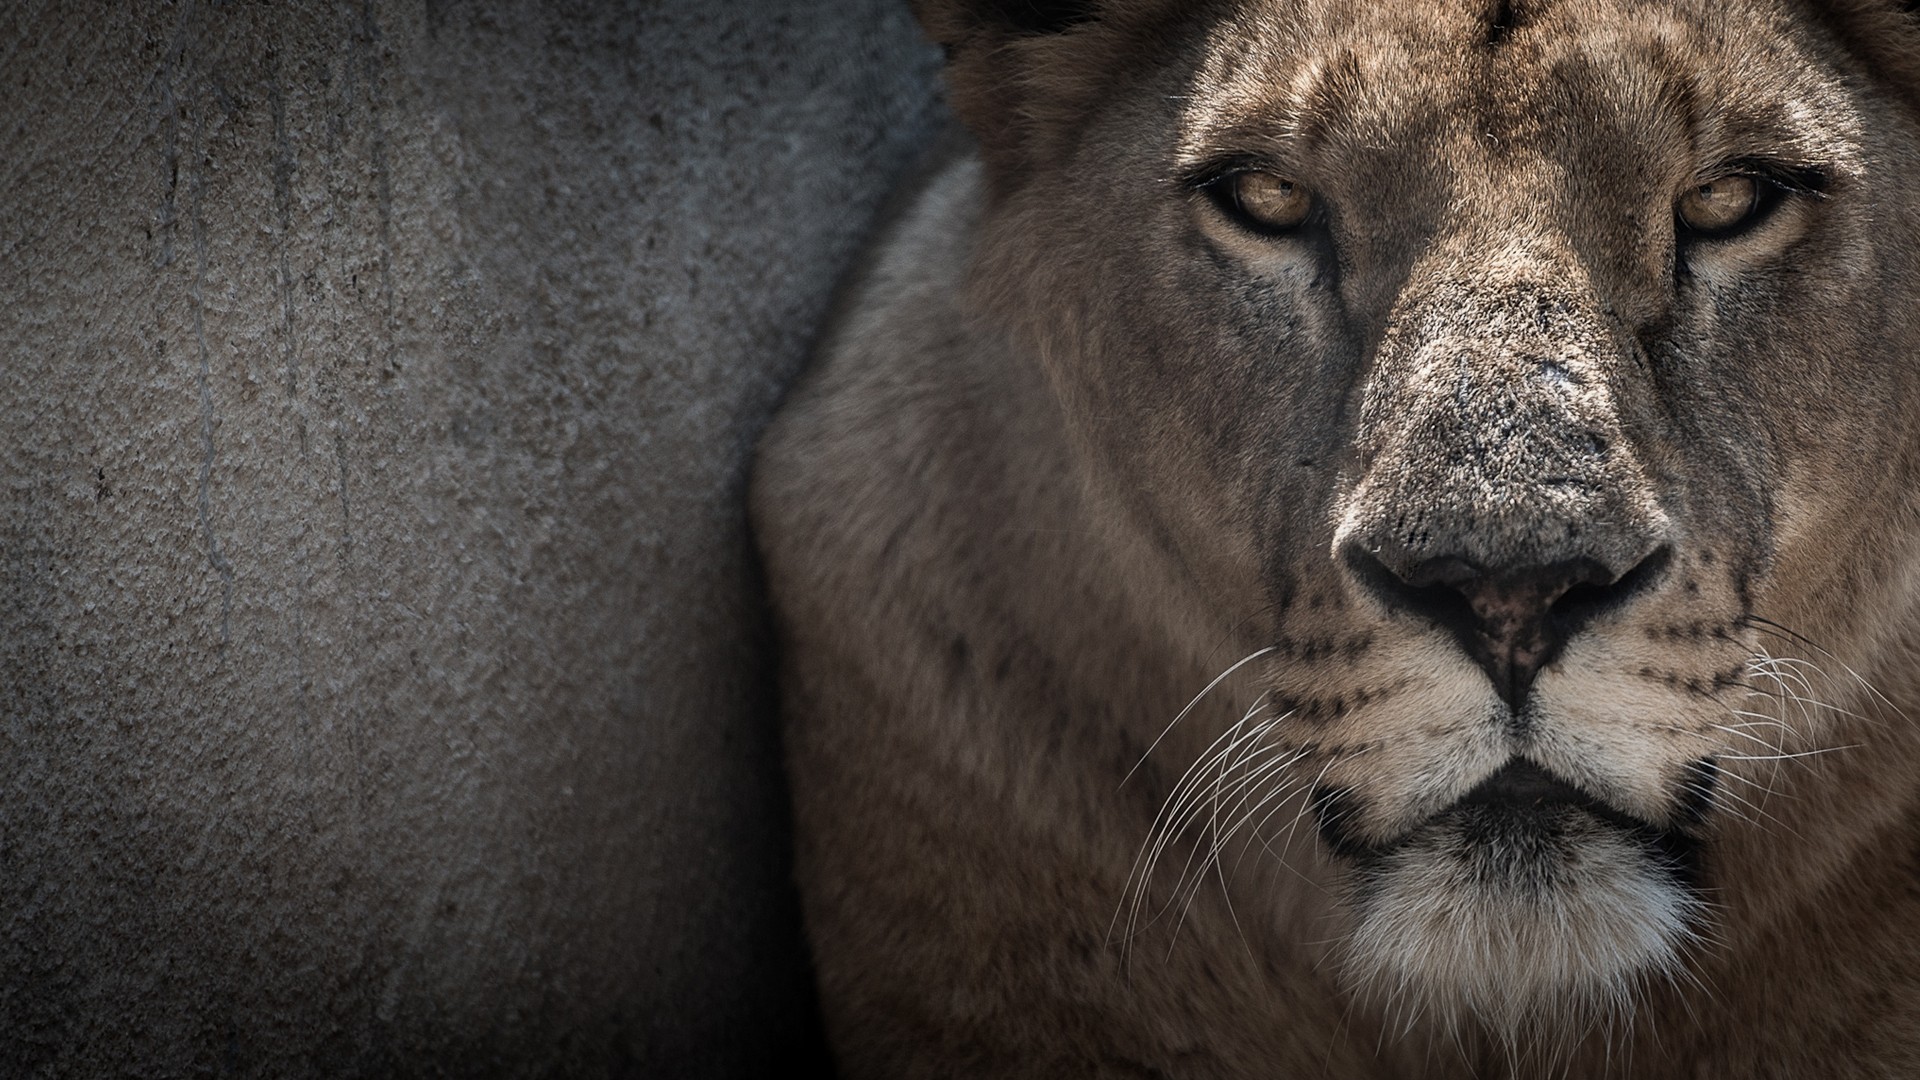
point(1338, 84)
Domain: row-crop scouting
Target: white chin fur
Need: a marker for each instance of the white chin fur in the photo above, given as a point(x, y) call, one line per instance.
point(1531, 932)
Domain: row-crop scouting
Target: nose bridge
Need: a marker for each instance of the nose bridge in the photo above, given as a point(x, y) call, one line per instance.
point(1492, 428)
point(1512, 378)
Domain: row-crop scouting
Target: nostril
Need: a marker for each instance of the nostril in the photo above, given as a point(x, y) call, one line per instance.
point(1600, 591)
point(1512, 621)
point(1432, 589)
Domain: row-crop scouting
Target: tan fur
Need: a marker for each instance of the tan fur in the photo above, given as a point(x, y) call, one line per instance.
point(1078, 444)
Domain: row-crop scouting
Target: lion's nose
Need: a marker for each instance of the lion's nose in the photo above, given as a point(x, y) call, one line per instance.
point(1513, 621)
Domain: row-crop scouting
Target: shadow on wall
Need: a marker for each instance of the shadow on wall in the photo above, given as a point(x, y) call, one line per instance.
point(383, 683)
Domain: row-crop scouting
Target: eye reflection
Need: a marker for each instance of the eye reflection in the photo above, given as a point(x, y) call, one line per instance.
point(1266, 201)
point(1719, 205)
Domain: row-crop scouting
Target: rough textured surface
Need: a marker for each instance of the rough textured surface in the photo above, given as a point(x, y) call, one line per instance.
point(383, 681)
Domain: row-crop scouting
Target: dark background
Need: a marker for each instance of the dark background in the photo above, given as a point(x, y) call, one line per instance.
point(384, 682)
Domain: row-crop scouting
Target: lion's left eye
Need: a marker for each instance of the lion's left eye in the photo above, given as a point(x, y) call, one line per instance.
point(1264, 201)
point(1720, 206)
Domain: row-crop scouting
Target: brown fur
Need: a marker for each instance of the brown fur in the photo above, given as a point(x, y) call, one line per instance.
point(1078, 443)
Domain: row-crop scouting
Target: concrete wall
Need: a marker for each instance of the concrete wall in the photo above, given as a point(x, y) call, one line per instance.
point(383, 681)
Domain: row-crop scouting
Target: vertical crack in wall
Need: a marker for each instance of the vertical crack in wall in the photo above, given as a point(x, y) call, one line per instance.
point(366, 57)
point(283, 167)
point(284, 163)
point(375, 78)
point(167, 222)
point(216, 557)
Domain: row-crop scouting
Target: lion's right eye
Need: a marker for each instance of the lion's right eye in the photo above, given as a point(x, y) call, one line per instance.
point(1719, 206)
point(1263, 201)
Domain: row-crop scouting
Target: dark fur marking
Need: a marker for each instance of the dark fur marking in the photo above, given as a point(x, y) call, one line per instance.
point(1334, 811)
point(1447, 730)
point(1694, 798)
point(1282, 592)
point(1318, 711)
point(1309, 649)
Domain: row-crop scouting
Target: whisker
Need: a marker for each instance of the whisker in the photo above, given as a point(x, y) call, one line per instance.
point(1217, 680)
point(1210, 860)
point(1766, 625)
point(1180, 808)
point(1791, 757)
point(1185, 804)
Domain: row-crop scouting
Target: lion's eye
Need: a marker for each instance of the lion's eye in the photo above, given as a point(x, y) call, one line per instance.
point(1719, 206)
point(1266, 202)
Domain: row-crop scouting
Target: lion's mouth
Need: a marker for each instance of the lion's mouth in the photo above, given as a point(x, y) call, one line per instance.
point(1522, 823)
point(1522, 895)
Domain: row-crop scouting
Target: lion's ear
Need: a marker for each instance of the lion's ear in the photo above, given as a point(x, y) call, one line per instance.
point(1019, 71)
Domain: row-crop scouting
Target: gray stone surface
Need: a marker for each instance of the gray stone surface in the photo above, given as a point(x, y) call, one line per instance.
point(383, 678)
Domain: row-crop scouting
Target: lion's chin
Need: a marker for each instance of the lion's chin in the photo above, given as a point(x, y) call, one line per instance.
point(1529, 919)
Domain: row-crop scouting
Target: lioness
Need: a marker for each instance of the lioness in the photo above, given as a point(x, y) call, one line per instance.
point(1502, 414)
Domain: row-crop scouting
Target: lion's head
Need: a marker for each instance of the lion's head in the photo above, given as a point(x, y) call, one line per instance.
point(1532, 386)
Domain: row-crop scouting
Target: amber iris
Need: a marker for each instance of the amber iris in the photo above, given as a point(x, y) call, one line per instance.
point(1269, 201)
point(1719, 205)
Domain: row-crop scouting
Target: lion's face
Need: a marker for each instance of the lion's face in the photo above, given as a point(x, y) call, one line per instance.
point(1535, 383)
